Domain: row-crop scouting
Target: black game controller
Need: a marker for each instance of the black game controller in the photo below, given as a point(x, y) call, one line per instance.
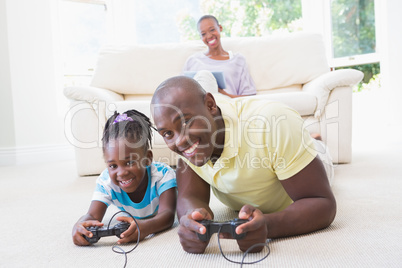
point(224, 227)
point(98, 232)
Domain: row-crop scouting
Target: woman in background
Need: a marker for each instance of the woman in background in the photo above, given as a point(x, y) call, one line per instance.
point(233, 65)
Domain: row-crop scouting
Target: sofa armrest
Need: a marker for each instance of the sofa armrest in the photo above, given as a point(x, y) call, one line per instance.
point(321, 86)
point(92, 94)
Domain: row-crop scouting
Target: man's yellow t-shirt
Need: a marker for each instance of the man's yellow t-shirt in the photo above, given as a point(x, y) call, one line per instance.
point(265, 142)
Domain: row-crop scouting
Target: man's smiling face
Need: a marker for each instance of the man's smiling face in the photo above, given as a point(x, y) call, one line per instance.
point(186, 122)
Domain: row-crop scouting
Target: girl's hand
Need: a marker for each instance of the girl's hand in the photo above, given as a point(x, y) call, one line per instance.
point(131, 234)
point(79, 231)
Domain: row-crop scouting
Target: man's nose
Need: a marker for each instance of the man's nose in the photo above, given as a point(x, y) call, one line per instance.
point(181, 141)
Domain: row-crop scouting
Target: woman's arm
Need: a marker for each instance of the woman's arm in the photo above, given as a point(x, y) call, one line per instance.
point(222, 91)
point(247, 86)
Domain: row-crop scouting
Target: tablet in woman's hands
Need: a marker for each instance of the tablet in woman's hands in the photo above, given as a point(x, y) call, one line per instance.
point(219, 76)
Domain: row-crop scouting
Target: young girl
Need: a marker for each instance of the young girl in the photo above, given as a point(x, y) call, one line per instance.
point(132, 181)
point(234, 66)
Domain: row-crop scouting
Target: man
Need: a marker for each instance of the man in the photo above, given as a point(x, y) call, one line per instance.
point(255, 154)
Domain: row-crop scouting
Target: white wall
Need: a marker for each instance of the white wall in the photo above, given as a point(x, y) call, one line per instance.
point(7, 138)
point(390, 47)
point(29, 87)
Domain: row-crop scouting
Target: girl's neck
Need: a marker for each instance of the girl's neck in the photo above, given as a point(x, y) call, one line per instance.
point(138, 195)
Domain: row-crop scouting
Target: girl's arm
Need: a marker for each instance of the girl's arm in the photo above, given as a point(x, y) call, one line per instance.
point(93, 217)
point(161, 221)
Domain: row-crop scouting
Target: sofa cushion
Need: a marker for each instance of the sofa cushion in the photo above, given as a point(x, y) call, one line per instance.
point(275, 61)
point(139, 69)
point(282, 60)
point(303, 102)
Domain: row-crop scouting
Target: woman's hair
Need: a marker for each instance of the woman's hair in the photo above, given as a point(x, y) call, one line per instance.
point(206, 17)
point(132, 126)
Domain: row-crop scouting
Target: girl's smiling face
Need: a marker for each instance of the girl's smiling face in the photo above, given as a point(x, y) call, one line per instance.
point(127, 164)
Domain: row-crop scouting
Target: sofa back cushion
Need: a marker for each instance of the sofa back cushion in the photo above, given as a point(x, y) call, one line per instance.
point(274, 62)
point(283, 60)
point(139, 69)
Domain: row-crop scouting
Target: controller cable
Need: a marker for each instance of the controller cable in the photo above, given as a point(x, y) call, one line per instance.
point(246, 252)
point(120, 250)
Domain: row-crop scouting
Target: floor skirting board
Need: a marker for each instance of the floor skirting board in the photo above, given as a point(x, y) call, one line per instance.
point(35, 154)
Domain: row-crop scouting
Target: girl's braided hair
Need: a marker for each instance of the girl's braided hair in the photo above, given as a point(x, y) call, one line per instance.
point(131, 125)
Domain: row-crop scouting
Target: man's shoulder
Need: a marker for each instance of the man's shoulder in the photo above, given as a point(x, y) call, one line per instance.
point(252, 105)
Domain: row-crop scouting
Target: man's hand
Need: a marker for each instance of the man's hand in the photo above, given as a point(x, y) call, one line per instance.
point(256, 229)
point(189, 228)
point(79, 230)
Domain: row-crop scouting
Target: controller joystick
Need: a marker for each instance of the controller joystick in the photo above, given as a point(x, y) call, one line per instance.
point(98, 232)
point(224, 227)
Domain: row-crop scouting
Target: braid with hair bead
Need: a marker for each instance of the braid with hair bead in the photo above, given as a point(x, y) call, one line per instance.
point(132, 125)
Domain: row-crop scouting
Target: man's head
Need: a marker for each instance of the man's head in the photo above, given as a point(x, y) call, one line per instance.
point(188, 119)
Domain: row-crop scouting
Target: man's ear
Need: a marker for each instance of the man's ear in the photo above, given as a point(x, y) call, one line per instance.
point(210, 103)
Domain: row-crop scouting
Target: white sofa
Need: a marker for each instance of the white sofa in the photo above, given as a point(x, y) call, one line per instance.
point(291, 68)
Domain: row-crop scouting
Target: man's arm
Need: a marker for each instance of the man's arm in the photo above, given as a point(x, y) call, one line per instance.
point(314, 205)
point(193, 192)
point(192, 205)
